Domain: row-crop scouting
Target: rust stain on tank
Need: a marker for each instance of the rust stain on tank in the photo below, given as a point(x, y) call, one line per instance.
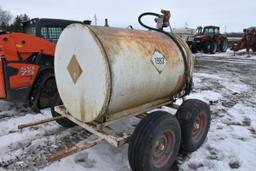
point(116, 41)
point(145, 41)
point(133, 80)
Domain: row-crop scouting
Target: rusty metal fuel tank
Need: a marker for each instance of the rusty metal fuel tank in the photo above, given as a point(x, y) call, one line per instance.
point(102, 71)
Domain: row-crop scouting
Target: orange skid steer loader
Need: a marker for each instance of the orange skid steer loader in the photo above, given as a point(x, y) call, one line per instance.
point(27, 61)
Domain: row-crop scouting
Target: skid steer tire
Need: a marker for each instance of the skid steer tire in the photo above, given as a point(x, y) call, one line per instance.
point(63, 122)
point(43, 91)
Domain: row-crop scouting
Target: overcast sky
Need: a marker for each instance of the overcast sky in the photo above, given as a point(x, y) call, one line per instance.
point(234, 14)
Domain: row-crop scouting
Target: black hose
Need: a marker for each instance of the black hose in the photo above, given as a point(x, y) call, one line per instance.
point(186, 67)
point(148, 13)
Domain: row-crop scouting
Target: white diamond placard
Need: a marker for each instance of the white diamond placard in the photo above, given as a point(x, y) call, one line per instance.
point(158, 61)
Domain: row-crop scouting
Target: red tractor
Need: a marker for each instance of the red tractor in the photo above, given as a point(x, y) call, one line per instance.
point(26, 62)
point(208, 40)
point(248, 41)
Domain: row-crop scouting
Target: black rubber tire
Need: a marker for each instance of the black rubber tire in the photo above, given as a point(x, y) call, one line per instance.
point(135, 138)
point(213, 47)
point(187, 115)
point(145, 136)
point(224, 45)
point(63, 122)
point(254, 49)
point(41, 94)
point(193, 49)
point(206, 47)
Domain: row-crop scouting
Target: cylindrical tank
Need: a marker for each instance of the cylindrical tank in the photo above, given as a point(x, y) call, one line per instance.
point(102, 70)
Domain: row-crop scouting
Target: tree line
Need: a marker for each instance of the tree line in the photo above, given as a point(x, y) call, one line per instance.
point(11, 24)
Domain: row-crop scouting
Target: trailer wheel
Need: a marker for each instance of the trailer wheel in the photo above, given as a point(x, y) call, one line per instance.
point(155, 143)
point(224, 45)
point(63, 122)
point(194, 118)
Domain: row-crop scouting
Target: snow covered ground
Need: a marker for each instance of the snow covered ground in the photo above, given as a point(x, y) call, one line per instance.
point(226, 82)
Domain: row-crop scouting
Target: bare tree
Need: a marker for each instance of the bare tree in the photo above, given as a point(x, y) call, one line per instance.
point(5, 18)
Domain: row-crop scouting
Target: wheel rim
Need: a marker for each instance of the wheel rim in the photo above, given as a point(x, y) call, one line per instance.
point(199, 127)
point(214, 47)
point(163, 149)
point(225, 45)
point(208, 47)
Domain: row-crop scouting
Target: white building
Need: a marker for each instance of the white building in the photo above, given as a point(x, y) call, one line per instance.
point(184, 32)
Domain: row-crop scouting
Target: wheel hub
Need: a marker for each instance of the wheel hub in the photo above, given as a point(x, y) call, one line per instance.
point(160, 145)
point(197, 124)
point(163, 149)
point(198, 127)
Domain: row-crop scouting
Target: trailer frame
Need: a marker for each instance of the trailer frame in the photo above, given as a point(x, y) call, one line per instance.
point(103, 131)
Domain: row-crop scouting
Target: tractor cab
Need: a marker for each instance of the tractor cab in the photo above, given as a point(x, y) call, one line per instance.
point(46, 28)
point(208, 39)
point(211, 30)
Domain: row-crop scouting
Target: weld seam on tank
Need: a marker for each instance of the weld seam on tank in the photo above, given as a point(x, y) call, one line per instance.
point(186, 66)
point(185, 61)
point(106, 103)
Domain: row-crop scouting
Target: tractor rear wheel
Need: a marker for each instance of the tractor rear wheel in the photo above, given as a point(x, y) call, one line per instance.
point(224, 45)
point(43, 91)
point(206, 46)
point(213, 47)
point(155, 143)
point(193, 49)
point(63, 122)
point(194, 118)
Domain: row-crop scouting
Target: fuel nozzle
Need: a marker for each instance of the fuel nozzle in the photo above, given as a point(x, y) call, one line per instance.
point(163, 20)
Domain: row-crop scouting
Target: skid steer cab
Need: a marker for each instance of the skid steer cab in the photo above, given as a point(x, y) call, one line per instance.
point(26, 62)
